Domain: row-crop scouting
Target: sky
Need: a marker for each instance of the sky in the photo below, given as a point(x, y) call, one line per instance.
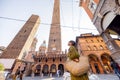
point(74, 20)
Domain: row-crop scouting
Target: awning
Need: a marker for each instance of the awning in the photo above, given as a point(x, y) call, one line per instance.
point(8, 63)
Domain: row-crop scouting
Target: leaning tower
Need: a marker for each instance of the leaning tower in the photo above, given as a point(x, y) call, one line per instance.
point(21, 43)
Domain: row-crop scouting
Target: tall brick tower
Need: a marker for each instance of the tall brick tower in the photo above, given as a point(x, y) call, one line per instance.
point(22, 41)
point(54, 44)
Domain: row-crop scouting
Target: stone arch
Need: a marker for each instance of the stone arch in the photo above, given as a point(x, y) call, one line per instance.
point(45, 70)
point(117, 2)
point(53, 69)
point(110, 23)
point(114, 27)
point(61, 68)
point(106, 62)
point(38, 70)
point(95, 65)
point(102, 20)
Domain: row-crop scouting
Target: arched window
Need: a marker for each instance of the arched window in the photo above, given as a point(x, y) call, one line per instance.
point(88, 48)
point(46, 60)
point(45, 70)
point(39, 60)
point(86, 41)
point(101, 40)
point(61, 68)
point(95, 48)
point(101, 47)
point(98, 40)
point(92, 41)
point(53, 69)
point(60, 59)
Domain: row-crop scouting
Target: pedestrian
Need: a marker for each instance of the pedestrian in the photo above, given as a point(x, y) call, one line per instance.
point(33, 74)
point(50, 74)
point(21, 76)
point(66, 75)
point(22, 70)
point(17, 73)
point(58, 73)
point(14, 76)
point(115, 67)
point(42, 74)
point(74, 56)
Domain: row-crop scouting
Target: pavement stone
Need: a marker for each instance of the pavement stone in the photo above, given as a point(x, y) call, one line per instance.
point(92, 77)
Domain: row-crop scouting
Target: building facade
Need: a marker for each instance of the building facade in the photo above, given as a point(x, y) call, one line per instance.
point(46, 64)
point(87, 44)
point(42, 63)
point(95, 48)
point(106, 19)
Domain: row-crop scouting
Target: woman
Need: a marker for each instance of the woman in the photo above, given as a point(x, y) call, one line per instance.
point(74, 55)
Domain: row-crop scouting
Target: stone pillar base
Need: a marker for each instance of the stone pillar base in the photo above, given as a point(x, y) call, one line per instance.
point(116, 56)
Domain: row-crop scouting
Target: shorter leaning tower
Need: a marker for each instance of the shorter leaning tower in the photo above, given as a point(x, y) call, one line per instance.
point(21, 43)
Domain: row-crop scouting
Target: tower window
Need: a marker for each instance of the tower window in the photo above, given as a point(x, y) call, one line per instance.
point(24, 31)
point(54, 40)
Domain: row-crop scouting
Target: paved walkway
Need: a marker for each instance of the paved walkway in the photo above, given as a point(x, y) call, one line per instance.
point(104, 77)
point(92, 77)
point(39, 78)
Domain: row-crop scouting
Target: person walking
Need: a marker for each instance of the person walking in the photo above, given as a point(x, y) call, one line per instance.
point(33, 74)
point(21, 76)
point(66, 75)
point(74, 55)
point(115, 67)
point(22, 70)
point(14, 76)
point(58, 73)
point(17, 73)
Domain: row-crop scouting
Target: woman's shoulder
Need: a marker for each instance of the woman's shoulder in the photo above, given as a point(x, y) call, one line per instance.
point(72, 47)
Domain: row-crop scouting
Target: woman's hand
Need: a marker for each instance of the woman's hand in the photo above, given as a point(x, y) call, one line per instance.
point(76, 60)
